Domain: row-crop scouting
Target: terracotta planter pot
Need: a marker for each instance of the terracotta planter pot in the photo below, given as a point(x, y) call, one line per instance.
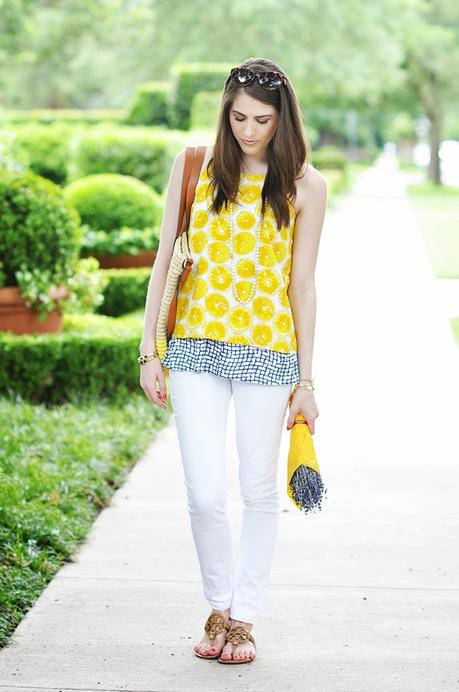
point(17, 318)
point(144, 258)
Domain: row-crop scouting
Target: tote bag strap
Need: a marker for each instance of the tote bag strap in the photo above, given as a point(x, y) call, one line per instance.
point(193, 161)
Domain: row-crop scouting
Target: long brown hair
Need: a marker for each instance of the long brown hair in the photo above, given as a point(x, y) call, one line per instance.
point(287, 151)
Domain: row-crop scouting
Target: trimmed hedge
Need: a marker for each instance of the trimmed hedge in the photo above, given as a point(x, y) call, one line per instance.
point(125, 291)
point(205, 109)
point(329, 157)
point(187, 79)
point(135, 151)
point(149, 105)
point(38, 228)
point(94, 356)
point(73, 115)
point(119, 241)
point(45, 148)
point(109, 201)
point(337, 181)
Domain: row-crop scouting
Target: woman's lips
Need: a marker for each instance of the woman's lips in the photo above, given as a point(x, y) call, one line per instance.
point(249, 143)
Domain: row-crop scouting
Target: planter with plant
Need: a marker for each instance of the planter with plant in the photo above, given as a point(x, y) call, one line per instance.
point(120, 219)
point(40, 271)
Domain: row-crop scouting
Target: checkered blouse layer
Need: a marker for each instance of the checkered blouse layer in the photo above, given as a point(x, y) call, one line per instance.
point(236, 361)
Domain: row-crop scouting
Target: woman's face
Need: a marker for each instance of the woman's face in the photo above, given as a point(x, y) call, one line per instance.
point(254, 121)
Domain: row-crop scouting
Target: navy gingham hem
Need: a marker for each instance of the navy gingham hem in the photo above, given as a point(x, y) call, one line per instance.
point(236, 361)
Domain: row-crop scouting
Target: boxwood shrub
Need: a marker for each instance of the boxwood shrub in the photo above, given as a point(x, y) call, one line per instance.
point(72, 115)
point(94, 356)
point(109, 201)
point(125, 291)
point(149, 104)
point(45, 148)
point(187, 79)
point(122, 241)
point(205, 109)
point(137, 151)
point(329, 157)
point(38, 227)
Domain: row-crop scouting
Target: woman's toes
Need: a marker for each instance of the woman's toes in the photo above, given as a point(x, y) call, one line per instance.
point(226, 651)
point(245, 655)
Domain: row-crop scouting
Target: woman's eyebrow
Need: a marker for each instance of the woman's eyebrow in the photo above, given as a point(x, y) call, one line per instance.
point(266, 115)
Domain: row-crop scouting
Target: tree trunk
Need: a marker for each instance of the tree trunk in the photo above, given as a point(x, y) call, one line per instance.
point(434, 172)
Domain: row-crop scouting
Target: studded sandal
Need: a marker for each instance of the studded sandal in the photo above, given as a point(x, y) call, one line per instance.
point(238, 635)
point(215, 624)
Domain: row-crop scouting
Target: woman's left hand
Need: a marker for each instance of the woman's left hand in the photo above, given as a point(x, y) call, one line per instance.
point(303, 401)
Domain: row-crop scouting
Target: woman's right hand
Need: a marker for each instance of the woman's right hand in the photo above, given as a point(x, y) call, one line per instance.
point(150, 373)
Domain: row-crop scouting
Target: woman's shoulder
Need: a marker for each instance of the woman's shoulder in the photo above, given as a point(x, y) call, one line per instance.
point(179, 162)
point(309, 175)
point(311, 183)
point(207, 154)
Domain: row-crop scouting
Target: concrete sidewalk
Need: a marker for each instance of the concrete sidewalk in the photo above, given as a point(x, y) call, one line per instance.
point(363, 595)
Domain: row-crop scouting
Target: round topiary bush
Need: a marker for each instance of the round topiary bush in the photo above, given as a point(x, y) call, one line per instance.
point(109, 201)
point(39, 230)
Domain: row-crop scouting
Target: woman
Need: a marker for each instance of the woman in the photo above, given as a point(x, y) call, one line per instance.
point(244, 328)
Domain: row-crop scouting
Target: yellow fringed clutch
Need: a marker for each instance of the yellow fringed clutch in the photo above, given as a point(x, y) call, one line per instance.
point(305, 487)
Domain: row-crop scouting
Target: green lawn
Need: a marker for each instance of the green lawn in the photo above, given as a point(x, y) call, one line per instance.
point(59, 467)
point(437, 211)
point(455, 328)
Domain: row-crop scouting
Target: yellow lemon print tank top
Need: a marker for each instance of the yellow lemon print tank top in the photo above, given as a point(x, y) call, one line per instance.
point(236, 291)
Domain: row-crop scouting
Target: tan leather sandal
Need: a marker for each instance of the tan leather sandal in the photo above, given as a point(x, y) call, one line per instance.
point(238, 635)
point(215, 624)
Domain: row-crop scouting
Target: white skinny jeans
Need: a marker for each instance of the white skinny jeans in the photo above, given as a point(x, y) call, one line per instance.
point(200, 404)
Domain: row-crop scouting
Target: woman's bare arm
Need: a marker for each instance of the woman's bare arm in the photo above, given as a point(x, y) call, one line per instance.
point(302, 290)
point(152, 372)
point(168, 234)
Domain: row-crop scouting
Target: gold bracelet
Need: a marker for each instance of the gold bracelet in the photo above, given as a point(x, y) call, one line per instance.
point(305, 384)
point(146, 358)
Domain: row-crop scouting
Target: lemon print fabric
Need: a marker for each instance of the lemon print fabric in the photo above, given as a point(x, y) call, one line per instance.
point(207, 307)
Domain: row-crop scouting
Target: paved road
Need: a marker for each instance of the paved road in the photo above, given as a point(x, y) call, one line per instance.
point(363, 595)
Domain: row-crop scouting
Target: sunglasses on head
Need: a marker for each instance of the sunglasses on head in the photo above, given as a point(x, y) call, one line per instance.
point(243, 76)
